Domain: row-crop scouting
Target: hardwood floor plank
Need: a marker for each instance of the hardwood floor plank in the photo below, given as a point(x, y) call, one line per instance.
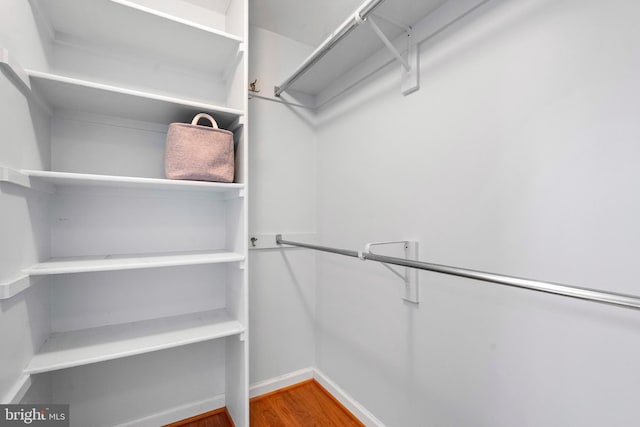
point(216, 418)
point(306, 404)
point(303, 404)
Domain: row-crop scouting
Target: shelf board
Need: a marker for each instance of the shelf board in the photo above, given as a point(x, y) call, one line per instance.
point(76, 348)
point(87, 264)
point(82, 179)
point(362, 43)
point(116, 25)
point(76, 94)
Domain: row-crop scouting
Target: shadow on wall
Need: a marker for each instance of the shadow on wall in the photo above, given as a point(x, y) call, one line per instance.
point(466, 35)
point(396, 383)
point(308, 309)
point(305, 114)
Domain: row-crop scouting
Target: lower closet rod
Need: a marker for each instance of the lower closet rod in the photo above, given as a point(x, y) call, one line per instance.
point(620, 300)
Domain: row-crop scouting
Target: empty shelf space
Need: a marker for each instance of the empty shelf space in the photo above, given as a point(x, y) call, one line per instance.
point(115, 25)
point(87, 264)
point(93, 97)
point(69, 349)
point(82, 179)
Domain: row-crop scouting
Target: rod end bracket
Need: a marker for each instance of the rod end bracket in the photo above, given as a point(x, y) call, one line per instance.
point(409, 276)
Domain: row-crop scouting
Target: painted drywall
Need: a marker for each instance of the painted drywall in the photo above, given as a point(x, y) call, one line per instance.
point(119, 391)
point(519, 156)
point(25, 127)
point(282, 199)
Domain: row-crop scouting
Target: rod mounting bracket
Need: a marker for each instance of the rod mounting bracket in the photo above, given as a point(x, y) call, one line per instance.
point(408, 275)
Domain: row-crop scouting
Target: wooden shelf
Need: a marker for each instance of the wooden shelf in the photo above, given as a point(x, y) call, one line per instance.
point(82, 179)
point(87, 264)
point(82, 95)
point(77, 348)
point(115, 25)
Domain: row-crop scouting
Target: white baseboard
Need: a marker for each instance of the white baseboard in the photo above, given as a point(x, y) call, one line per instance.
point(273, 384)
point(257, 389)
point(276, 383)
point(359, 411)
point(178, 413)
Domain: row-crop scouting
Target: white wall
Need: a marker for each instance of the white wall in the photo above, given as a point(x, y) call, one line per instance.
point(283, 200)
point(519, 156)
point(24, 144)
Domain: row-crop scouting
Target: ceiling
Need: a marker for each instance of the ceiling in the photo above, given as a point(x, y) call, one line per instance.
point(307, 21)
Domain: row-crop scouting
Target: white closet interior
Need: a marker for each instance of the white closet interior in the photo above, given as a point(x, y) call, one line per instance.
point(127, 295)
point(130, 289)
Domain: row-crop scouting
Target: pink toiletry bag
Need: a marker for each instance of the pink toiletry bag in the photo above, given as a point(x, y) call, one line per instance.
point(199, 153)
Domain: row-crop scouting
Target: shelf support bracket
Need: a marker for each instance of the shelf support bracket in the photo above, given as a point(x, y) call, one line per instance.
point(232, 65)
point(392, 21)
point(408, 276)
point(14, 71)
point(388, 43)
point(18, 178)
point(19, 77)
point(410, 66)
point(15, 285)
point(411, 78)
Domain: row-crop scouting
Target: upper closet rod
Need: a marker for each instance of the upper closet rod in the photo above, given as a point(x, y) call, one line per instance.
point(620, 300)
point(349, 25)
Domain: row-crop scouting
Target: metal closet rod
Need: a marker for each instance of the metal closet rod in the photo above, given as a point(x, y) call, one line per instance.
point(349, 25)
point(620, 300)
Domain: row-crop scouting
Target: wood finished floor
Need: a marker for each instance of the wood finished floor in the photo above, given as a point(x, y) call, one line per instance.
point(300, 405)
point(218, 418)
point(303, 404)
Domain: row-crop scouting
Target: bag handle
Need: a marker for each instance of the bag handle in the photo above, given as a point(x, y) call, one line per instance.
point(195, 120)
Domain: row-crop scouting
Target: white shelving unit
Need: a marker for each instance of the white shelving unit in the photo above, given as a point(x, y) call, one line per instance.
point(107, 78)
point(129, 26)
point(82, 95)
point(93, 180)
point(77, 348)
point(106, 41)
point(129, 262)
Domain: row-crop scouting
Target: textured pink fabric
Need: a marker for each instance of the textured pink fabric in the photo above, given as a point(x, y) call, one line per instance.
point(199, 153)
